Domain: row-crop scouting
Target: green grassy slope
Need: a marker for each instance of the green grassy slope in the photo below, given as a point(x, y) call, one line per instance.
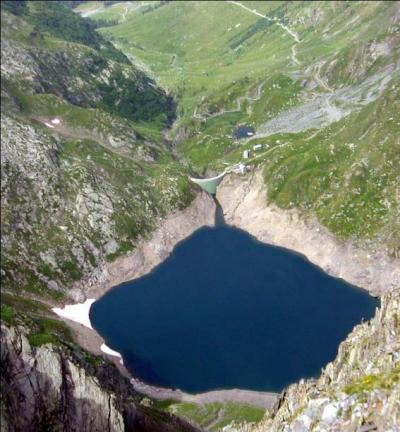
point(227, 66)
point(76, 62)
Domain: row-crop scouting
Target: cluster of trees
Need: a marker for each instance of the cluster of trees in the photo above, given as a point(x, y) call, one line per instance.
point(111, 2)
point(155, 6)
point(71, 3)
point(137, 99)
point(16, 7)
point(260, 25)
point(63, 23)
point(102, 22)
point(56, 18)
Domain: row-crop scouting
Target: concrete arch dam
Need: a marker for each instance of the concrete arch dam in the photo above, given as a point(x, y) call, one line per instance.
point(209, 184)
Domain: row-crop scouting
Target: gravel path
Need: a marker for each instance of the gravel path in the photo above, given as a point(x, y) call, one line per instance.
point(292, 33)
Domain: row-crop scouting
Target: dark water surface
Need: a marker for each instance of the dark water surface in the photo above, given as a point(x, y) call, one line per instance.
point(226, 311)
point(243, 132)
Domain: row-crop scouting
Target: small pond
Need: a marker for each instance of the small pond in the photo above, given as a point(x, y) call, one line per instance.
point(226, 311)
point(244, 132)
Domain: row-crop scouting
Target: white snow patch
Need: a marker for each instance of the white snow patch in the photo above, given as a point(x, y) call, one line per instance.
point(77, 312)
point(56, 121)
point(109, 351)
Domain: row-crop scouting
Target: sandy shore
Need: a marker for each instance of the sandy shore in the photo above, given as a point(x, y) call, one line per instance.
point(265, 400)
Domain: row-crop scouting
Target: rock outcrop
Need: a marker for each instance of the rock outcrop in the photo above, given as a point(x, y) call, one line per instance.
point(150, 252)
point(48, 388)
point(80, 186)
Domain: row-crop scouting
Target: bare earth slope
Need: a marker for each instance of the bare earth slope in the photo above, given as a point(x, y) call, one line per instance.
point(245, 206)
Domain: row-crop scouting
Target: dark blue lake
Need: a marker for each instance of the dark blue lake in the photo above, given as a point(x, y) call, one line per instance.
point(226, 311)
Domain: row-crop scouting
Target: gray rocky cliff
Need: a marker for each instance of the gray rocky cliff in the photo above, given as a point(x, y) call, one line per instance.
point(46, 388)
point(81, 191)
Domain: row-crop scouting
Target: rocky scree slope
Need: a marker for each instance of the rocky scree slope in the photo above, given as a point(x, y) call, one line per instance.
point(358, 391)
point(81, 192)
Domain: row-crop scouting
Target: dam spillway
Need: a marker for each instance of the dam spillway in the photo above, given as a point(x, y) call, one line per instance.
point(209, 184)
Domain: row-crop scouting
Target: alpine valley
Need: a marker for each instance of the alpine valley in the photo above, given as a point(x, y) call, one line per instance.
point(117, 121)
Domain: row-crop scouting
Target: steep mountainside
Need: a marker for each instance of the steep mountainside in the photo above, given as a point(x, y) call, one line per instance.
point(59, 386)
point(84, 188)
point(319, 82)
point(85, 174)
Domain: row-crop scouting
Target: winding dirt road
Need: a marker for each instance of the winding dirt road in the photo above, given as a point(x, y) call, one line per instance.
point(238, 108)
point(319, 80)
point(294, 58)
point(292, 33)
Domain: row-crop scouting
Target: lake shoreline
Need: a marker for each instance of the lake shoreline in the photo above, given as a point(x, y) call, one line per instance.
point(225, 310)
point(264, 400)
point(148, 255)
point(150, 252)
point(88, 337)
point(371, 270)
point(236, 195)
